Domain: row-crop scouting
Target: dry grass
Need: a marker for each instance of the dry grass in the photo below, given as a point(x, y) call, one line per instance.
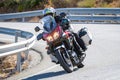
point(8, 65)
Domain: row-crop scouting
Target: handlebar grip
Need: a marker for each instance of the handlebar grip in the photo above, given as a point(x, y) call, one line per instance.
point(40, 36)
point(37, 29)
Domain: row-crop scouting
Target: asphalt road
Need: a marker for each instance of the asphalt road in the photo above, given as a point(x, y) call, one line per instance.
point(102, 61)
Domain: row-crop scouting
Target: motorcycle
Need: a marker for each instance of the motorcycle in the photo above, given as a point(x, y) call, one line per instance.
point(62, 44)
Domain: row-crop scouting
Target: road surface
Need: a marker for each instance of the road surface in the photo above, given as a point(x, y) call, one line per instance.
point(102, 61)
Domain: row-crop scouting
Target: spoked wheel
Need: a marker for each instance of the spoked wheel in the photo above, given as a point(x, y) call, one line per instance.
point(64, 60)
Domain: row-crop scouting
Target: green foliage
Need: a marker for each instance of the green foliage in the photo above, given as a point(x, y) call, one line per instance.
point(20, 8)
point(60, 3)
point(20, 5)
point(86, 3)
point(28, 5)
point(1, 4)
point(9, 3)
point(108, 1)
point(104, 5)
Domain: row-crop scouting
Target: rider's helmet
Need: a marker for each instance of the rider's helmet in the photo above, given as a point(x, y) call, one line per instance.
point(65, 23)
point(63, 15)
point(49, 11)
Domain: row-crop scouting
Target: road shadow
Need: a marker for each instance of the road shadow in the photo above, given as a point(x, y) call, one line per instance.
point(46, 75)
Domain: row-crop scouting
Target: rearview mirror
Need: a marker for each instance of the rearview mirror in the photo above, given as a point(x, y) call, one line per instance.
point(37, 29)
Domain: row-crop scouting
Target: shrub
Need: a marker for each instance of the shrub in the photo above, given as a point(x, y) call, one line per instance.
point(86, 3)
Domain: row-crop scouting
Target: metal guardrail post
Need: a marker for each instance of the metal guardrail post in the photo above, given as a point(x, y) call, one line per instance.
point(17, 34)
point(17, 47)
point(26, 54)
point(92, 15)
point(27, 51)
point(23, 19)
point(116, 15)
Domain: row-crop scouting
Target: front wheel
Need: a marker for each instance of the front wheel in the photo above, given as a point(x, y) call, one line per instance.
point(64, 60)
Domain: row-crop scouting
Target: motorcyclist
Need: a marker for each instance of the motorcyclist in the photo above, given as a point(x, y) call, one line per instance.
point(65, 23)
point(48, 20)
point(60, 19)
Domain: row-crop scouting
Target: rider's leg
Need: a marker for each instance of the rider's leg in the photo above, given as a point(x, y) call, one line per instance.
point(53, 58)
point(80, 42)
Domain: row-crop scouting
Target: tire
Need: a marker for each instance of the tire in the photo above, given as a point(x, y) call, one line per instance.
point(68, 68)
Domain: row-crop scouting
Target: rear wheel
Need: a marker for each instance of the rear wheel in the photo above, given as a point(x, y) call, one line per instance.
point(64, 60)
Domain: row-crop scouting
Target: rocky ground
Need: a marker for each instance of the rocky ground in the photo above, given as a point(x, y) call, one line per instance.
point(8, 63)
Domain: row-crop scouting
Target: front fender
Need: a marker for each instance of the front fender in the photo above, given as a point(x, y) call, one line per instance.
point(59, 47)
point(68, 67)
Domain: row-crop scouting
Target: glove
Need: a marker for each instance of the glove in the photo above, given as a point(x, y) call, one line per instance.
point(37, 29)
point(39, 36)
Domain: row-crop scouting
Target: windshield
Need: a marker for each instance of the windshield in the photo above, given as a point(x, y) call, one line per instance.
point(49, 24)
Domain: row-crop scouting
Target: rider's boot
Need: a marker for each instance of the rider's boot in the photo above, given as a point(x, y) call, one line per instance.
point(82, 56)
point(53, 59)
point(80, 42)
point(81, 65)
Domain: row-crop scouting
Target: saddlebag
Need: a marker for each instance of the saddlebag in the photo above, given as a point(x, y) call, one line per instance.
point(85, 35)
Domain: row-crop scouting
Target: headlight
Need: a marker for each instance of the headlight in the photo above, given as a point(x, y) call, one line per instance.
point(52, 37)
point(56, 35)
point(49, 38)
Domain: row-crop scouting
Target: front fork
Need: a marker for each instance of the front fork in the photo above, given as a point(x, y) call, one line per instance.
point(52, 54)
point(70, 53)
point(62, 47)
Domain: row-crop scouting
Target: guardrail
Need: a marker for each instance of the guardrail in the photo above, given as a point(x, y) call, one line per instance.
point(110, 15)
point(17, 47)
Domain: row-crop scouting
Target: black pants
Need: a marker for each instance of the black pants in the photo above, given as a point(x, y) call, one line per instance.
point(80, 42)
